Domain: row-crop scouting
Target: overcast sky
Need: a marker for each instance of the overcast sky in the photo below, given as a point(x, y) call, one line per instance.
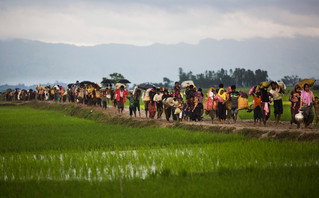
point(145, 22)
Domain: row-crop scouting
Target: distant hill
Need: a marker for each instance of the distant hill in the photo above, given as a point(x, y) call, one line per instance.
point(31, 62)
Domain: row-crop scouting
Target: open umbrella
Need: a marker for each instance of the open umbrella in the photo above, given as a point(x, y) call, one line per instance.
point(124, 81)
point(96, 86)
point(107, 81)
point(70, 85)
point(145, 86)
point(310, 82)
point(85, 83)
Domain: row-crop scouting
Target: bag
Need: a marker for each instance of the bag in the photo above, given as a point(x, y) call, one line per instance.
point(299, 116)
point(242, 103)
point(108, 96)
point(310, 82)
point(147, 99)
point(177, 111)
point(264, 84)
point(209, 104)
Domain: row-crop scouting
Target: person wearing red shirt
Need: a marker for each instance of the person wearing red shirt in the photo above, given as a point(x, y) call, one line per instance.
point(120, 98)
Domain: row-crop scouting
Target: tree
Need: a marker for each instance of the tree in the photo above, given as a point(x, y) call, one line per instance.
point(167, 82)
point(291, 80)
point(116, 77)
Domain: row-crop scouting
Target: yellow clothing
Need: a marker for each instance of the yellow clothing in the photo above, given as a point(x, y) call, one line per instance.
point(223, 96)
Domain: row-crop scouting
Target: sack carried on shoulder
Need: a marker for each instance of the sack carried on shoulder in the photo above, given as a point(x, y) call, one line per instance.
point(178, 111)
point(242, 103)
point(146, 99)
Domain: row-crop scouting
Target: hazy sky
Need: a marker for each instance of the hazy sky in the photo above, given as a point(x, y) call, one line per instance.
point(144, 22)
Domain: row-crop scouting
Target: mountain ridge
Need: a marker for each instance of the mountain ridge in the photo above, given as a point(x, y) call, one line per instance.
point(30, 61)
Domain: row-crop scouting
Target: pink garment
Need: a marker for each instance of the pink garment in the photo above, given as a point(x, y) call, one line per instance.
point(228, 90)
point(251, 90)
point(266, 108)
point(306, 97)
point(219, 99)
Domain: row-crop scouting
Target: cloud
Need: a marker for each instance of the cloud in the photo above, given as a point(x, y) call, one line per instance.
point(147, 22)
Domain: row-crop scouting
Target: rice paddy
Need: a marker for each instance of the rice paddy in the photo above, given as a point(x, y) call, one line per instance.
point(48, 154)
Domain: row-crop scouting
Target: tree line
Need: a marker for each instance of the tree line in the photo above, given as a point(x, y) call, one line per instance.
point(239, 77)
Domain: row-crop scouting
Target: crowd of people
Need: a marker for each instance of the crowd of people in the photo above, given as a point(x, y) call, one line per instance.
point(188, 105)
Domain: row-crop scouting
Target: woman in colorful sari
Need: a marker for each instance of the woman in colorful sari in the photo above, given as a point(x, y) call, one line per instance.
point(294, 98)
point(307, 100)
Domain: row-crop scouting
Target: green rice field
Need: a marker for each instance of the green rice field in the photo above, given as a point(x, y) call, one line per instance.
point(49, 154)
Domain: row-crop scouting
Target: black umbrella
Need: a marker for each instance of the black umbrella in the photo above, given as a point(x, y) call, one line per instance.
point(124, 81)
point(83, 83)
point(107, 81)
point(145, 86)
point(70, 85)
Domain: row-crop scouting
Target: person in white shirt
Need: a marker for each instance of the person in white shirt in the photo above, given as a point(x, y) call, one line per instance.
point(276, 95)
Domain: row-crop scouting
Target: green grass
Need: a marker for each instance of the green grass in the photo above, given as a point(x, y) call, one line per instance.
point(49, 154)
point(284, 182)
point(25, 129)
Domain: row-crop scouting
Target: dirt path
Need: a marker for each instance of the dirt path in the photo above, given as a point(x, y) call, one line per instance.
point(283, 126)
point(281, 131)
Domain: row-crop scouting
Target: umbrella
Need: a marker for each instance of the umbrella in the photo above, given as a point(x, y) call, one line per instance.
point(124, 81)
point(145, 86)
point(85, 83)
point(310, 82)
point(96, 86)
point(107, 81)
point(70, 85)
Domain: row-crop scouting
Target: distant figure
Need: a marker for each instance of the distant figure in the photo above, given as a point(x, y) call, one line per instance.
point(137, 97)
point(104, 99)
point(120, 98)
point(233, 97)
point(265, 104)
point(257, 107)
point(222, 98)
point(316, 104)
point(294, 98)
point(132, 106)
point(307, 100)
point(177, 87)
point(276, 94)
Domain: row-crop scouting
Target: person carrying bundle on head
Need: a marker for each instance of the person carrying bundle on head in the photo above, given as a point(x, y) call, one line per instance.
point(120, 98)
